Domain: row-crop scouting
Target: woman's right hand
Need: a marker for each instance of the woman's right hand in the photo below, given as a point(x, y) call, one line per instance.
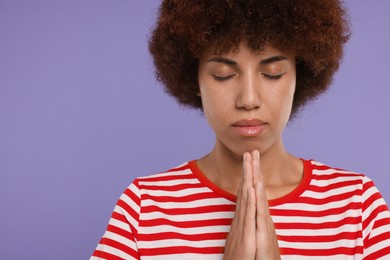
point(241, 241)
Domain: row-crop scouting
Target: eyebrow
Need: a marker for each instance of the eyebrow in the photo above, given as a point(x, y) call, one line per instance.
point(233, 63)
point(273, 59)
point(222, 60)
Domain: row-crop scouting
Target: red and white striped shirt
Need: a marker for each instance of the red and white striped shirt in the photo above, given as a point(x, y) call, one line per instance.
point(180, 214)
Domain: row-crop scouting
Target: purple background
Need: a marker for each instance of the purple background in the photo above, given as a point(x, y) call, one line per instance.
point(81, 115)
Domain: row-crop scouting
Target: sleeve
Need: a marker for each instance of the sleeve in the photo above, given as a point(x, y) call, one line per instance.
point(120, 239)
point(375, 223)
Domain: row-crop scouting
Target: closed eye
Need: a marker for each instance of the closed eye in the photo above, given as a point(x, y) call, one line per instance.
point(272, 77)
point(219, 78)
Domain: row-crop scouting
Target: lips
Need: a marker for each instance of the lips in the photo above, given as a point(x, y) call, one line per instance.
point(249, 127)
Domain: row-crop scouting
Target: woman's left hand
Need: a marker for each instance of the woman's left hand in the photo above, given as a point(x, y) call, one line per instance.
point(266, 241)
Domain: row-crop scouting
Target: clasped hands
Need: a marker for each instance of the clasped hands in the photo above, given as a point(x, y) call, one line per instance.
point(252, 234)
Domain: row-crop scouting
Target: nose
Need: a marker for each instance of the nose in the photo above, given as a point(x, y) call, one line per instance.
point(248, 96)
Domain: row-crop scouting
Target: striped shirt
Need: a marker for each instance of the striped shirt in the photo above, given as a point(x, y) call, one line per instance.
point(180, 214)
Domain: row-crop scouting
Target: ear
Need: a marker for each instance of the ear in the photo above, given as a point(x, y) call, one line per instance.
point(198, 92)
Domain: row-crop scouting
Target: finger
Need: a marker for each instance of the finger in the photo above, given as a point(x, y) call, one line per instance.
point(249, 227)
point(262, 210)
point(241, 240)
point(256, 167)
point(267, 244)
point(263, 218)
point(247, 174)
point(247, 181)
point(241, 196)
point(239, 193)
point(248, 206)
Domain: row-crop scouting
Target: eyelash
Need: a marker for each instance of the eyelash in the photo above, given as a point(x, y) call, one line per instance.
point(217, 78)
point(271, 77)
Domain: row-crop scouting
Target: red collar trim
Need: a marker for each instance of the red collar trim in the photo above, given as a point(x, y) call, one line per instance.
point(306, 178)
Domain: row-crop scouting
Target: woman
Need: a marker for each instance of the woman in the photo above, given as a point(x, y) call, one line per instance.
point(249, 66)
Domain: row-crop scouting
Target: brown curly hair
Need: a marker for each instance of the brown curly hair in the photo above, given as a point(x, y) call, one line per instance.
point(314, 30)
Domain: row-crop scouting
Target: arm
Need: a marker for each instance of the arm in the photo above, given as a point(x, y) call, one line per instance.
point(120, 239)
point(376, 223)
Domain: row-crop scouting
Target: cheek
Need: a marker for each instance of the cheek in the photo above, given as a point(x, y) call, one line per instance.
point(211, 104)
point(292, 91)
point(213, 97)
point(283, 100)
point(288, 99)
point(215, 106)
point(288, 88)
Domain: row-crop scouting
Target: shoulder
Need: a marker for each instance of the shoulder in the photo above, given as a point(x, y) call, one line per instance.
point(178, 173)
point(326, 173)
point(157, 183)
point(333, 181)
point(327, 178)
point(172, 179)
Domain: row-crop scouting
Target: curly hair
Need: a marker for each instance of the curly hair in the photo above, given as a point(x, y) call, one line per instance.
point(314, 30)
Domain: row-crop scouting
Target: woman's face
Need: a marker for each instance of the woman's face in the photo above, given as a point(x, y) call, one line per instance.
point(247, 96)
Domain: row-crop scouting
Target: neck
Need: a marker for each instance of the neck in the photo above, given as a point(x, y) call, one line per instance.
point(279, 169)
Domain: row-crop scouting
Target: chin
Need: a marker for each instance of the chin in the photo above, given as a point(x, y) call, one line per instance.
point(237, 148)
point(239, 151)
point(263, 148)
